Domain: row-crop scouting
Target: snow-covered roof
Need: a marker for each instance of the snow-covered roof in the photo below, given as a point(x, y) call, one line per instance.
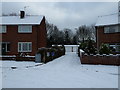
point(15, 20)
point(107, 20)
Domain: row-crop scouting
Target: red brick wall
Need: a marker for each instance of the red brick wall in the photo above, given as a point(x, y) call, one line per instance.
point(106, 37)
point(103, 59)
point(37, 37)
point(42, 34)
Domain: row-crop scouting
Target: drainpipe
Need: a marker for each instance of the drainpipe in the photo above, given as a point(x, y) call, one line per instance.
point(37, 27)
point(97, 39)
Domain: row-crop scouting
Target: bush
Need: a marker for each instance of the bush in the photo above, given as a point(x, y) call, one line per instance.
point(42, 51)
point(88, 47)
point(48, 54)
point(104, 49)
point(83, 45)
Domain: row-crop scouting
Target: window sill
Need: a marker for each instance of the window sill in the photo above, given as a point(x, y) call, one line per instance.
point(112, 33)
point(24, 51)
point(24, 32)
point(7, 51)
point(3, 33)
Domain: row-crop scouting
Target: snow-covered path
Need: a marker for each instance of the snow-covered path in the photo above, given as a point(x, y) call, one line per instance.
point(64, 72)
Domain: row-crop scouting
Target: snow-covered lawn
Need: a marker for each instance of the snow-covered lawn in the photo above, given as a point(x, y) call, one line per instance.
point(64, 72)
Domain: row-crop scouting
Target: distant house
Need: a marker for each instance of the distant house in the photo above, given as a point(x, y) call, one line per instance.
point(108, 31)
point(22, 34)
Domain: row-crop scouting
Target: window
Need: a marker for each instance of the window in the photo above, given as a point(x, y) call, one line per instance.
point(115, 47)
point(2, 29)
point(118, 28)
point(106, 29)
point(111, 29)
point(24, 46)
point(25, 29)
point(8, 47)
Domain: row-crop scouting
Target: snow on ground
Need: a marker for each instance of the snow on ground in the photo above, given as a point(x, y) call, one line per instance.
point(64, 72)
point(0, 76)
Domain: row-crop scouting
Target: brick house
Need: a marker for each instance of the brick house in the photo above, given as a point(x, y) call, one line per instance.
point(108, 31)
point(22, 34)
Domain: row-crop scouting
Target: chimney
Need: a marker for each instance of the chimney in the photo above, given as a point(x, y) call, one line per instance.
point(22, 14)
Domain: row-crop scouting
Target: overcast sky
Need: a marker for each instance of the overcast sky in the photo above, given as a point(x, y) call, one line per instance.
point(64, 14)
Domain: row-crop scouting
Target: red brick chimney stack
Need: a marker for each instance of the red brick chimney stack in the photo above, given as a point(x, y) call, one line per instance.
point(22, 14)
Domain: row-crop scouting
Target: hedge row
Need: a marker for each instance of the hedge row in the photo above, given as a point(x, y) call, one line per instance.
point(48, 54)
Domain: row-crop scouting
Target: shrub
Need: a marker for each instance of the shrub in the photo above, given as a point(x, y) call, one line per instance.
point(83, 45)
point(48, 54)
point(42, 51)
point(104, 49)
point(88, 47)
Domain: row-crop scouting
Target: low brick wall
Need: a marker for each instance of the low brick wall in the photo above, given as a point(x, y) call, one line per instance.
point(100, 59)
point(14, 58)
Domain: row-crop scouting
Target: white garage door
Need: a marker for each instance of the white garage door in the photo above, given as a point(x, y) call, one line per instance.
point(71, 48)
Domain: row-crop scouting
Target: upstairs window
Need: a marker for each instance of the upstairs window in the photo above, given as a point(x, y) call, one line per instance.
point(3, 29)
point(111, 29)
point(25, 29)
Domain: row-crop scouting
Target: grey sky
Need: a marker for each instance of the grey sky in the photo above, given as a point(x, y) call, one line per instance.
point(64, 14)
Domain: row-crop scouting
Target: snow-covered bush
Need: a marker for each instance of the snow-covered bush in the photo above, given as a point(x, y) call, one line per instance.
point(104, 49)
point(48, 54)
point(88, 47)
point(83, 45)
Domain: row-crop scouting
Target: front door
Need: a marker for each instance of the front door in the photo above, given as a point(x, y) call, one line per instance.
point(3, 48)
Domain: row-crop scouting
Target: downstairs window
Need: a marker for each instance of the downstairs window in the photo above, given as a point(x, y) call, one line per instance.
point(24, 46)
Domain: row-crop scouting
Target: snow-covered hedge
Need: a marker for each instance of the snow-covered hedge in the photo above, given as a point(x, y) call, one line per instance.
point(48, 54)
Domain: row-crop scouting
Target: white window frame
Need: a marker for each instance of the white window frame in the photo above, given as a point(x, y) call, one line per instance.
point(29, 48)
point(115, 46)
point(3, 29)
point(24, 28)
point(7, 47)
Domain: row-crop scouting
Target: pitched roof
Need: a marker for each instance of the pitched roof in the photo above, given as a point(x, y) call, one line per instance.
point(15, 20)
point(107, 20)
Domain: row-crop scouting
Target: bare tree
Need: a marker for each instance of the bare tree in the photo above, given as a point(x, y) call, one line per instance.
point(54, 35)
point(84, 32)
point(68, 36)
